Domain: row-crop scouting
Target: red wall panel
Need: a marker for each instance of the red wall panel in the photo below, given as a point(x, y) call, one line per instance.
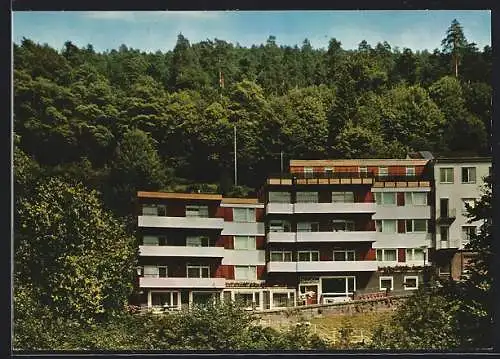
point(261, 271)
point(370, 254)
point(401, 226)
point(228, 214)
point(220, 212)
point(260, 242)
point(400, 196)
point(369, 197)
point(401, 255)
point(259, 214)
point(176, 209)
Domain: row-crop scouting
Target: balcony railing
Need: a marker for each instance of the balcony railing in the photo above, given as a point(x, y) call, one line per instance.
point(340, 175)
point(178, 282)
point(447, 216)
point(181, 251)
point(323, 266)
point(181, 222)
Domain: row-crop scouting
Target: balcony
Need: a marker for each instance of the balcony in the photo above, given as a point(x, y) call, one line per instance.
point(243, 229)
point(337, 266)
point(402, 212)
point(352, 236)
point(402, 240)
point(148, 282)
point(447, 216)
point(181, 222)
point(281, 237)
point(279, 208)
point(320, 178)
point(334, 207)
point(323, 266)
point(181, 251)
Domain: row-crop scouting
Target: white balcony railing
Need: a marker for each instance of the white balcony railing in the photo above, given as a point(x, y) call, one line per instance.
point(402, 240)
point(279, 208)
point(402, 212)
point(243, 229)
point(181, 222)
point(334, 207)
point(148, 282)
point(353, 236)
point(281, 237)
point(323, 266)
point(181, 251)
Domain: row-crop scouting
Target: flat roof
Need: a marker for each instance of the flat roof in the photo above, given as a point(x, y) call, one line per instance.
point(174, 195)
point(359, 162)
point(240, 200)
point(462, 159)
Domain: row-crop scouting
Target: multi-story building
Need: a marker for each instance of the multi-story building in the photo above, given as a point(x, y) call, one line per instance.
point(339, 227)
point(196, 247)
point(457, 181)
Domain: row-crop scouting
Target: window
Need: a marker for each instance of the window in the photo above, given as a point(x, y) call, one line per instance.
point(444, 231)
point(280, 197)
point(416, 225)
point(385, 198)
point(386, 283)
point(470, 201)
point(386, 225)
point(363, 171)
point(197, 211)
point(164, 298)
point(154, 210)
point(244, 214)
point(410, 282)
point(467, 233)
point(197, 241)
point(307, 197)
point(343, 226)
point(468, 174)
point(279, 226)
point(281, 256)
point(344, 255)
point(446, 175)
point(410, 171)
point(343, 197)
point(198, 271)
point(416, 198)
point(154, 241)
point(309, 256)
point(246, 299)
point(283, 300)
point(307, 227)
point(338, 285)
point(415, 254)
point(155, 271)
point(245, 272)
point(308, 172)
point(444, 205)
point(387, 255)
point(328, 172)
point(244, 242)
point(383, 171)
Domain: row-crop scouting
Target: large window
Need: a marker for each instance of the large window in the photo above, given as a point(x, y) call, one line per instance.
point(281, 300)
point(280, 197)
point(385, 198)
point(247, 300)
point(387, 255)
point(340, 225)
point(169, 299)
point(244, 214)
point(467, 201)
point(307, 197)
point(416, 225)
point(197, 211)
point(468, 174)
point(467, 233)
point(416, 198)
point(338, 285)
point(155, 271)
point(344, 256)
point(197, 271)
point(343, 197)
point(446, 175)
point(154, 210)
point(386, 225)
point(154, 241)
point(444, 231)
point(281, 256)
point(197, 241)
point(279, 226)
point(244, 242)
point(307, 227)
point(386, 283)
point(410, 171)
point(308, 256)
point(245, 272)
point(415, 254)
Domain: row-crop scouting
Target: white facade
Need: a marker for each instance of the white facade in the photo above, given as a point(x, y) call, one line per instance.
point(455, 183)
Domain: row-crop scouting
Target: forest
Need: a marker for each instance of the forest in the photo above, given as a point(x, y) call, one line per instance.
point(91, 128)
point(123, 119)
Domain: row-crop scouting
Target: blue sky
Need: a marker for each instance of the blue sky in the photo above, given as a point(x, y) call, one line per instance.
point(157, 30)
